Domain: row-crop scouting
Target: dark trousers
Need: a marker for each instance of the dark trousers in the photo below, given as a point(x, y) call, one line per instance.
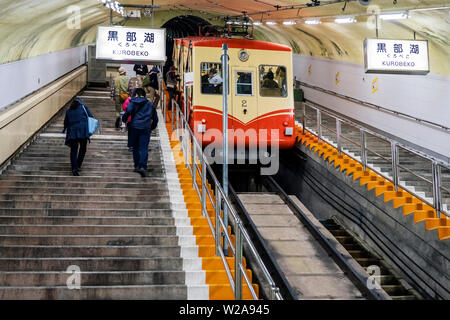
point(171, 97)
point(128, 131)
point(139, 140)
point(76, 158)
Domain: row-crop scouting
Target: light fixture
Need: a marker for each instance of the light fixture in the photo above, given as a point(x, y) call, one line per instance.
point(312, 21)
point(393, 16)
point(289, 23)
point(345, 20)
point(270, 23)
point(257, 23)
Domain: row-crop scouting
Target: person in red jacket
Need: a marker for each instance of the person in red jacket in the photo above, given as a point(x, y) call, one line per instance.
point(125, 105)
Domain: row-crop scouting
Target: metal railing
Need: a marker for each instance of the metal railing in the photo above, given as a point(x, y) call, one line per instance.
point(414, 171)
point(376, 107)
point(198, 165)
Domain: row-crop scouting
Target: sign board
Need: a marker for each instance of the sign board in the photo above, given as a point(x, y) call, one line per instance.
point(131, 44)
point(188, 79)
point(396, 56)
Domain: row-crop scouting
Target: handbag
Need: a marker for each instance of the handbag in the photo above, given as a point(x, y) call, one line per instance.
point(92, 123)
point(123, 96)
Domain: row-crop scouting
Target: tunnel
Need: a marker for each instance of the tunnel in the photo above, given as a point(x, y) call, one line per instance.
point(115, 184)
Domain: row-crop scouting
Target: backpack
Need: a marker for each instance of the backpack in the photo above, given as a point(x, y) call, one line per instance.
point(146, 81)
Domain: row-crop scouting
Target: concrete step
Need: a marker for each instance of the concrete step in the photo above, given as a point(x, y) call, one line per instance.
point(15, 251)
point(92, 278)
point(94, 240)
point(158, 196)
point(35, 229)
point(93, 212)
point(92, 263)
point(159, 190)
point(152, 292)
point(23, 220)
point(131, 178)
point(5, 204)
point(159, 172)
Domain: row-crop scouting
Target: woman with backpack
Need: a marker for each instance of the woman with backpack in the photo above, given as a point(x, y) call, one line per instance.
point(76, 125)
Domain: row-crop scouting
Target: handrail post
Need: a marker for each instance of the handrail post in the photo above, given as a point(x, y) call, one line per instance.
point(338, 135)
point(193, 164)
point(238, 263)
point(218, 208)
point(173, 115)
point(225, 77)
point(274, 292)
point(319, 125)
point(304, 116)
point(394, 155)
point(363, 144)
point(204, 183)
point(437, 196)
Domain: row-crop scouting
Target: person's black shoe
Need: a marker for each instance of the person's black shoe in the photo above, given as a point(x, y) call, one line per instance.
point(75, 173)
point(117, 124)
point(130, 149)
point(142, 172)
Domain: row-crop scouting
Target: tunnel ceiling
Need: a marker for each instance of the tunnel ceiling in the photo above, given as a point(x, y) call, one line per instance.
point(33, 27)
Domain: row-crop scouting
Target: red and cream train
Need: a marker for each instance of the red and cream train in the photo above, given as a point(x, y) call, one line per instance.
point(260, 97)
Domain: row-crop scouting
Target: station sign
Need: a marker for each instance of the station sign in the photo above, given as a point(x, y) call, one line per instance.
point(131, 44)
point(396, 56)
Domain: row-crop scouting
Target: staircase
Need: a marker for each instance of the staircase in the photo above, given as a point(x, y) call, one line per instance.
point(379, 157)
point(117, 228)
point(390, 283)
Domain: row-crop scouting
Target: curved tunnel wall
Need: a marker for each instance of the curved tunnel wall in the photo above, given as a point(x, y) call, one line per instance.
point(30, 28)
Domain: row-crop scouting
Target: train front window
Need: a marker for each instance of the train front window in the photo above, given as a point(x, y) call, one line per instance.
point(272, 80)
point(211, 78)
point(244, 83)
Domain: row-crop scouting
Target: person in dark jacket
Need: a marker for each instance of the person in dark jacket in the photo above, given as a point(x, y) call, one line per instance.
point(143, 120)
point(76, 125)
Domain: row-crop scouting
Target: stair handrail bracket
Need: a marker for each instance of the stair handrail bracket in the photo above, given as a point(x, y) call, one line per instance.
point(396, 147)
point(198, 165)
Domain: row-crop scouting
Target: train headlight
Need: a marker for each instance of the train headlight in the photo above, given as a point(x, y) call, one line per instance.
point(243, 55)
point(289, 131)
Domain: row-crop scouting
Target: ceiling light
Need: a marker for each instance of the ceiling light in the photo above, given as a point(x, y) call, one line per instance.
point(257, 23)
point(394, 16)
point(312, 21)
point(345, 20)
point(271, 23)
point(289, 23)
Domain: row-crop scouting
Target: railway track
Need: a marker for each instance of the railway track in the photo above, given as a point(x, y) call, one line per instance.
point(308, 258)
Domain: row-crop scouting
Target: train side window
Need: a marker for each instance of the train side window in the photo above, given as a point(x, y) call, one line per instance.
point(272, 83)
point(211, 79)
point(244, 83)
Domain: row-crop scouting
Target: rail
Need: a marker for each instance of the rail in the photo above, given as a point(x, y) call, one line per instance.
point(404, 162)
point(374, 106)
point(198, 165)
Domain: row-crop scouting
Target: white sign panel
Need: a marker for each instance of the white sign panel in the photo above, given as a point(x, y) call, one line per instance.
point(188, 79)
point(131, 44)
point(396, 56)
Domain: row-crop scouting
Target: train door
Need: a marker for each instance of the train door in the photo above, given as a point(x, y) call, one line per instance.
point(244, 101)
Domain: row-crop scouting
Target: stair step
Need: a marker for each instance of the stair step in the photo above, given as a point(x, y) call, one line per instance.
point(91, 263)
point(94, 212)
point(87, 229)
point(151, 292)
point(95, 240)
point(12, 251)
point(91, 278)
